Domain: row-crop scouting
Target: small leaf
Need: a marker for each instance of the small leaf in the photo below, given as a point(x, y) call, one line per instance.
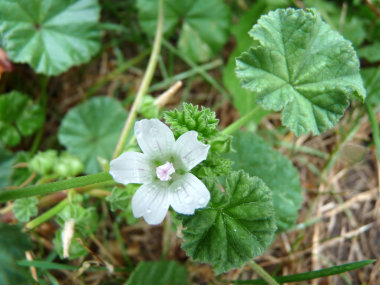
point(25, 209)
point(299, 64)
point(85, 219)
point(158, 273)
point(85, 223)
point(14, 244)
point(91, 130)
point(256, 157)
point(18, 115)
point(202, 121)
point(236, 225)
point(120, 199)
point(204, 24)
point(51, 35)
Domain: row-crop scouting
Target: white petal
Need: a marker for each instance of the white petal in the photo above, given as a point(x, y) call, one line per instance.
point(154, 137)
point(187, 194)
point(131, 167)
point(191, 151)
point(151, 201)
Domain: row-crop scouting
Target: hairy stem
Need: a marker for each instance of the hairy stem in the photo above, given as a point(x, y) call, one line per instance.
point(262, 273)
point(47, 215)
point(145, 82)
point(235, 126)
point(49, 188)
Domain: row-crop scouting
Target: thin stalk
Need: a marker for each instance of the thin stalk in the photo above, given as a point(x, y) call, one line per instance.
point(235, 126)
point(47, 215)
point(262, 273)
point(199, 70)
point(49, 188)
point(145, 82)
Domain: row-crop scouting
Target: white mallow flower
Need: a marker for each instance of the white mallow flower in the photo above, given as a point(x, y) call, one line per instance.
point(164, 170)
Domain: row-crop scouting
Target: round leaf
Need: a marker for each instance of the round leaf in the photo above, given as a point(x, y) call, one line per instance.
point(256, 157)
point(92, 129)
point(204, 24)
point(50, 35)
point(25, 208)
point(236, 225)
point(299, 64)
point(18, 115)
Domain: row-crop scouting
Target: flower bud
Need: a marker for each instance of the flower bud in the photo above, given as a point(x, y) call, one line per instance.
point(43, 162)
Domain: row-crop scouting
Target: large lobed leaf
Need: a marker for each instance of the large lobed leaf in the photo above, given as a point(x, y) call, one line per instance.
point(91, 130)
point(236, 225)
point(204, 24)
point(256, 157)
point(299, 64)
point(50, 35)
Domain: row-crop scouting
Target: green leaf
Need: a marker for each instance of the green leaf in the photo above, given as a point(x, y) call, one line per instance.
point(203, 24)
point(6, 162)
point(120, 199)
point(370, 52)
point(334, 270)
point(91, 130)
point(14, 244)
point(51, 35)
point(371, 77)
point(237, 224)
point(202, 121)
point(243, 99)
point(25, 209)
point(85, 219)
point(352, 28)
point(256, 157)
point(158, 273)
point(18, 116)
point(76, 250)
point(299, 64)
point(85, 223)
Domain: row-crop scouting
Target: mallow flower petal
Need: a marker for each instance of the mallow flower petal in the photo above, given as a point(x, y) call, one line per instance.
point(154, 137)
point(187, 194)
point(190, 150)
point(151, 201)
point(131, 167)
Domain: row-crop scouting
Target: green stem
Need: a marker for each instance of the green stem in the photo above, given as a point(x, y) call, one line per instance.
point(47, 215)
point(37, 138)
point(145, 82)
point(375, 128)
point(235, 126)
point(49, 188)
point(262, 273)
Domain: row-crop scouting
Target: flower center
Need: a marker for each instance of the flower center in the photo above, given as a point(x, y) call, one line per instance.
point(164, 171)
